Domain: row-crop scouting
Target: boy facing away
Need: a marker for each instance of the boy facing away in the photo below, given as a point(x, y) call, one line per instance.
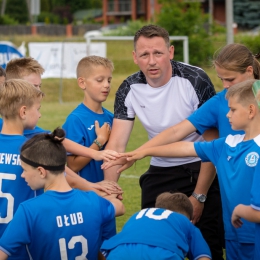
point(19, 107)
point(90, 123)
point(62, 223)
point(164, 232)
point(236, 158)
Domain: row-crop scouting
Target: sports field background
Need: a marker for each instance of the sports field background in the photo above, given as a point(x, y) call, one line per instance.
point(54, 113)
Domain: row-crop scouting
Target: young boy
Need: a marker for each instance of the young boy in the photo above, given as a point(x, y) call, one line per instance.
point(62, 223)
point(164, 232)
point(236, 159)
point(94, 75)
point(251, 212)
point(30, 70)
point(19, 107)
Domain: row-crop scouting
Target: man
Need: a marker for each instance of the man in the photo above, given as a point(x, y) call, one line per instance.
point(162, 94)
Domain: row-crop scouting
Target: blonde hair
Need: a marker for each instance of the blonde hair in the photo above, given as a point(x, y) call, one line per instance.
point(243, 91)
point(87, 63)
point(14, 94)
point(18, 68)
point(237, 57)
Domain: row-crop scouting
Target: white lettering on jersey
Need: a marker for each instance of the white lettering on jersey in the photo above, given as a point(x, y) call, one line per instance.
point(150, 214)
point(72, 219)
point(8, 158)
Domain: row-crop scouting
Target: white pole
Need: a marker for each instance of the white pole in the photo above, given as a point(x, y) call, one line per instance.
point(229, 21)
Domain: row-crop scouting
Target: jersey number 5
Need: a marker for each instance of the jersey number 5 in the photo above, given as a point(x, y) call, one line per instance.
point(71, 245)
point(9, 197)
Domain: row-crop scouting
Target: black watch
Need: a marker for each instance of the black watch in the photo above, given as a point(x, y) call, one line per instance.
point(199, 197)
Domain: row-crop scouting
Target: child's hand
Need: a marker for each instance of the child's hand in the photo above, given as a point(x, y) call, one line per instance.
point(103, 132)
point(120, 161)
point(105, 155)
point(235, 219)
point(134, 155)
point(104, 188)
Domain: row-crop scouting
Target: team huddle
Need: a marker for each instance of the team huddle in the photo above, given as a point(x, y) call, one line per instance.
point(58, 189)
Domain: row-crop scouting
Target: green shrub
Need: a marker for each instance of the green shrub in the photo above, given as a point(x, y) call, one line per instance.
point(48, 18)
point(181, 18)
point(7, 20)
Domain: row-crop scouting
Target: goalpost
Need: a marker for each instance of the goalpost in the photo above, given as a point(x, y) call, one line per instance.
point(185, 40)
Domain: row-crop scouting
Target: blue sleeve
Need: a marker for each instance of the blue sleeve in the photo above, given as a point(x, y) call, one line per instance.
point(255, 195)
point(197, 245)
point(206, 116)
point(74, 129)
point(109, 225)
point(17, 232)
point(210, 151)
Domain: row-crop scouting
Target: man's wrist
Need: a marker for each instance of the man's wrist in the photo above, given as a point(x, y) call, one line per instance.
point(199, 197)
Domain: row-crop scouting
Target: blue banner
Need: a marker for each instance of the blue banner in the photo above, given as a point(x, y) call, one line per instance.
point(8, 52)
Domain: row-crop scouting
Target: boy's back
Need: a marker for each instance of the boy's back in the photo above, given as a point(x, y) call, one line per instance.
point(163, 229)
point(62, 225)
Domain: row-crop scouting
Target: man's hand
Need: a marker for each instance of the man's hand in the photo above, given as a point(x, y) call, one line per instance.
point(197, 209)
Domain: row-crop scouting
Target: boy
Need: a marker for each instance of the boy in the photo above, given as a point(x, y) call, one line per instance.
point(251, 212)
point(94, 75)
point(164, 232)
point(30, 70)
point(62, 223)
point(19, 107)
point(236, 160)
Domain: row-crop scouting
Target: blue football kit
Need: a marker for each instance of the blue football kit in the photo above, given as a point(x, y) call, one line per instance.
point(153, 229)
point(237, 163)
point(59, 225)
point(14, 189)
point(29, 133)
point(213, 114)
point(80, 128)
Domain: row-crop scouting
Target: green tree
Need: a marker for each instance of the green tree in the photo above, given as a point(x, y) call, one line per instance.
point(17, 10)
point(183, 18)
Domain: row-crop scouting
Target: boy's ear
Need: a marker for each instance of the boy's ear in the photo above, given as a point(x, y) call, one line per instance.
point(252, 110)
point(22, 112)
point(42, 172)
point(81, 83)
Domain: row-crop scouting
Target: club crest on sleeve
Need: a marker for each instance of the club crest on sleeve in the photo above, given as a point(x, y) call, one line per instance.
point(252, 159)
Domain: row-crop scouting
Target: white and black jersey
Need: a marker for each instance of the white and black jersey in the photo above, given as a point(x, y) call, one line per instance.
point(165, 106)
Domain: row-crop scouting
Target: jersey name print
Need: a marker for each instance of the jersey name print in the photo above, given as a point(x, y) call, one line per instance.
point(8, 158)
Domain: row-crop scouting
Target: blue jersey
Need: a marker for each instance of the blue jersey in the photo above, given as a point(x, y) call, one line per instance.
point(59, 225)
point(255, 204)
point(80, 128)
point(237, 163)
point(13, 187)
point(29, 133)
point(161, 228)
point(213, 114)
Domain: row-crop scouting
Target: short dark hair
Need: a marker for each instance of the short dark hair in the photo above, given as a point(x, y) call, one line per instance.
point(150, 31)
point(177, 202)
point(46, 150)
